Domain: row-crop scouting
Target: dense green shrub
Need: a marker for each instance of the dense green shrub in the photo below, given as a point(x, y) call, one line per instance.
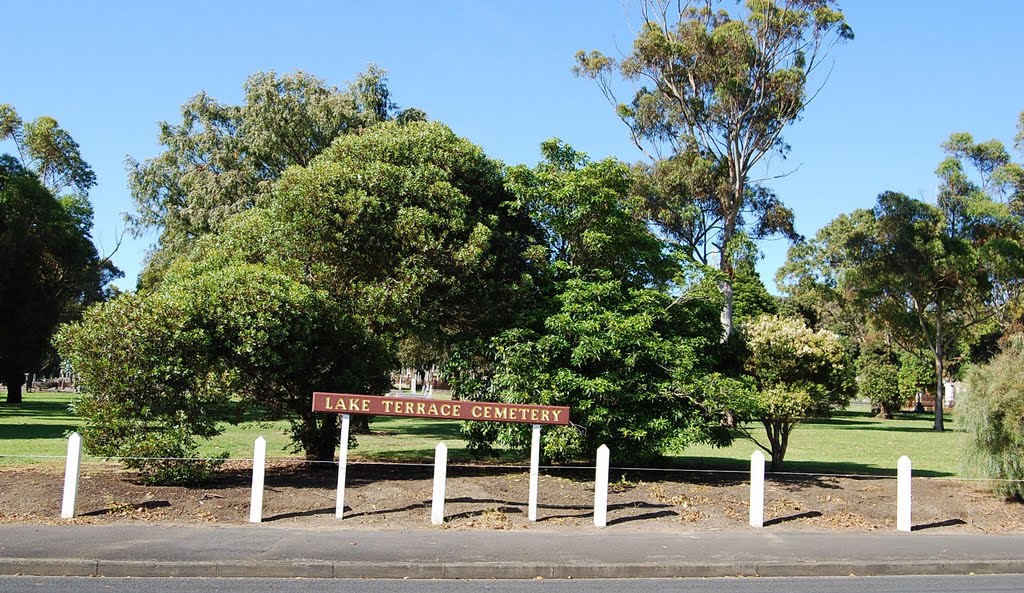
point(991, 412)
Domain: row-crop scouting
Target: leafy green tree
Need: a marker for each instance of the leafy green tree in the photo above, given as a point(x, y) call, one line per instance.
point(916, 374)
point(162, 368)
point(931, 278)
point(281, 340)
point(717, 90)
point(878, 373)
point(404, 230)
point(221, 159)
point(411, 221)
point(605, 337)
point(989, 411)
point(798, 373)
point(49, 268)
point(809, 281)
point(925, 287)
point(47, 150)
point(149, 389)
point(623, 359)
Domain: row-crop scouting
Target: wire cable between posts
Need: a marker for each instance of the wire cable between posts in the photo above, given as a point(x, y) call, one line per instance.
point(299, 461)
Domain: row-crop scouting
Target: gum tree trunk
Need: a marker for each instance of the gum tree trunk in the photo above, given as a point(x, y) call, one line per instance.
point(14, 381)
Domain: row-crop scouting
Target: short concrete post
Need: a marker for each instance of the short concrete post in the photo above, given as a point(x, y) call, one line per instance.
point(601, 488)
point(440, 475)
point(72, 470)
point(259, 469)
point(534, 472)
point(903, 498)
point(757, 490)
point(339, 505)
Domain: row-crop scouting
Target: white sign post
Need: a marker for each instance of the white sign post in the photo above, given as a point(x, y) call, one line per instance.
point(339, 506)
point(534, 472)
point(757, 490)
point(72, 470)
point(601, 487)
point(259, 468)
point(903, 498)
point(440, 475)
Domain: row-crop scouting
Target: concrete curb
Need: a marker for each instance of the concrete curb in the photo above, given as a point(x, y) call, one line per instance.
point(489, 570)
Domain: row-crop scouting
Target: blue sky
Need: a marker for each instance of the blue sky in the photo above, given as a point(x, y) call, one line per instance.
point(499, 74)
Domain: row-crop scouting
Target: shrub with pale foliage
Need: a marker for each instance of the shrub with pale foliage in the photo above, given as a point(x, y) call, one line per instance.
point(991, 412)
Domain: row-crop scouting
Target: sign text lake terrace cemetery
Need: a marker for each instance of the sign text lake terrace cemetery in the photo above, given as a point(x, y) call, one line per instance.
point(377, 405)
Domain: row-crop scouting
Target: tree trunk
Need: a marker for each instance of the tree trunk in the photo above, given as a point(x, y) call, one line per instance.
point(725, 287)
point(318, 434)
point(725, 284)
point(360, 424)
point(940, 391)
point(14, 381)
point(778, 438)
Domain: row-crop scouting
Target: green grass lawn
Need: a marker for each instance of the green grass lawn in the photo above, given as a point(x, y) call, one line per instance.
point(852, 442)
point(38, 428)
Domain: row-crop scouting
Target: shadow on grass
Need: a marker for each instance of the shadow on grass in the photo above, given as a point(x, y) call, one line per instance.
point(34, 408)
point(848, 420)
point(432, 428)
point(808, 470)
point(35, 431)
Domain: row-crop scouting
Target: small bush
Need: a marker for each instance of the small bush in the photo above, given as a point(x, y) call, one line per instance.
point(991, 411)
point(170, 459)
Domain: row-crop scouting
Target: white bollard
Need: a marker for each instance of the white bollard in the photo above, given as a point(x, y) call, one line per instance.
point(903, 498)
point(534, 472)
point(259, 469)
point(440, 474)
point(72, 470)
point(757, 490)
point(339, 505)
point(601, 488)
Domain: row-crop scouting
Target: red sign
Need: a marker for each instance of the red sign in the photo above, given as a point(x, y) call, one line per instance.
point(377, 405)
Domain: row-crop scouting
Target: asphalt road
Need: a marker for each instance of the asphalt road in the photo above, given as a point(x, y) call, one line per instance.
point(908, 584)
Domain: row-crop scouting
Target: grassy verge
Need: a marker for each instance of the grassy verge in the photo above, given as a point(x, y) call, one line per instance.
point(852, 442)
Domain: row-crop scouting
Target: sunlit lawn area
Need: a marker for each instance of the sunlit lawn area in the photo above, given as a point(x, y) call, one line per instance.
point(851, 442)
point(37, 429)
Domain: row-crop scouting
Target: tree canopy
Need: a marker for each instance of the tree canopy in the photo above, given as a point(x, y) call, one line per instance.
point(403, 230)
point(798, 373)
point(49, 268)
point(717, 89)
point(222, 158)
point(607, 339)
